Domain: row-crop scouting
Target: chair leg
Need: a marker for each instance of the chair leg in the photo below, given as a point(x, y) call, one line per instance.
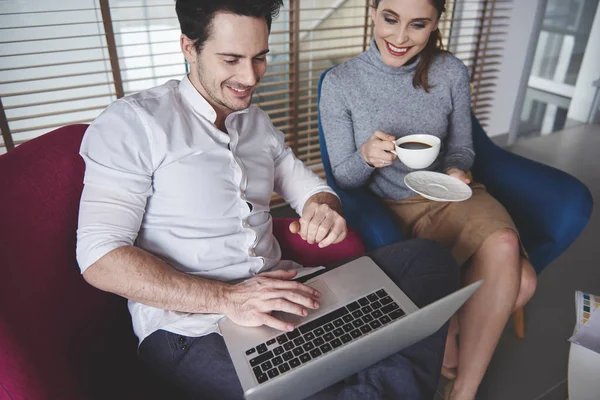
point(519, 322)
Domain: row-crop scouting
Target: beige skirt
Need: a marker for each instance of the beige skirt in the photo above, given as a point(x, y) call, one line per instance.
point(461, 227)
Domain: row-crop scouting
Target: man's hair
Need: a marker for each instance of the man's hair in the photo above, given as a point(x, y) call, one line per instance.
point(196, 16)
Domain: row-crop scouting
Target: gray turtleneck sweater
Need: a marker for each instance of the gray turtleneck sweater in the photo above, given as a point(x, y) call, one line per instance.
point(363, 95)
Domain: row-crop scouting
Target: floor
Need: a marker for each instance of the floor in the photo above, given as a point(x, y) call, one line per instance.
point(535, 368)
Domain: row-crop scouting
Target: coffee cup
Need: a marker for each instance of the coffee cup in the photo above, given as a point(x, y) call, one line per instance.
point(417, 151)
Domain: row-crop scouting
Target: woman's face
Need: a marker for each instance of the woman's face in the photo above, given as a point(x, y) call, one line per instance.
point(402, 28)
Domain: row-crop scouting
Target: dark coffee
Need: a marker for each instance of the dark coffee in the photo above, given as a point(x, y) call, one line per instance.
point(414, 145)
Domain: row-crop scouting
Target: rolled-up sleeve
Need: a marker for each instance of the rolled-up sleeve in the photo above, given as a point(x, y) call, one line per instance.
point(118, 181)
point(294, 181)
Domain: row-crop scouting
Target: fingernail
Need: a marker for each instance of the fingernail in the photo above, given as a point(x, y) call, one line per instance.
point(318, 294)
point(305, 312)
point(290, 328)
point(316, 304)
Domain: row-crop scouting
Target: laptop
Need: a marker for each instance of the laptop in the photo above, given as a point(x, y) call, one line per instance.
point(364, 317)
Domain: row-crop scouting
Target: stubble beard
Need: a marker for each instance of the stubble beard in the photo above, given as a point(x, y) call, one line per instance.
point(212, 90)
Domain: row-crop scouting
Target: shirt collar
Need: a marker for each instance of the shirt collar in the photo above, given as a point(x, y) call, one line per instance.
point(198, 102)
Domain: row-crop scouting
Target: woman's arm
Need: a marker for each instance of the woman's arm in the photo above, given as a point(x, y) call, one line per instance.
point(349, 168)
point(459, 152)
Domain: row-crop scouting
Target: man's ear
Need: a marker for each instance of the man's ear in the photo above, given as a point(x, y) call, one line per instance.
point(188, 49)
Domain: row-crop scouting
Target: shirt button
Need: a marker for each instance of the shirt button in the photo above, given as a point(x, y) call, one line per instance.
point(245, 224)
point(251, 252)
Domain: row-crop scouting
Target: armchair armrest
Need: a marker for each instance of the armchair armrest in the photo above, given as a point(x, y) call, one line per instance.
point(293, 247)
point(366, 213)
point(547, 205)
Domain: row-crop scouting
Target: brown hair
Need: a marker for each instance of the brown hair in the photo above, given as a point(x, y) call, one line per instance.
point(433, 47)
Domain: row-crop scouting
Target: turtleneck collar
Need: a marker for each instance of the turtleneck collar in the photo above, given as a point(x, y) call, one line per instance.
point(374, 56)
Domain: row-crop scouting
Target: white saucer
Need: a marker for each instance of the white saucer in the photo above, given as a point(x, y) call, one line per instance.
point(437, 186)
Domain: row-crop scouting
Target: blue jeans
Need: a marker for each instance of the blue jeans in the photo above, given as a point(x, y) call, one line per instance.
point(202, 368)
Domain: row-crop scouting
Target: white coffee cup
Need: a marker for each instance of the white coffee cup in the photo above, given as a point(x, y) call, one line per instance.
point(417, 158)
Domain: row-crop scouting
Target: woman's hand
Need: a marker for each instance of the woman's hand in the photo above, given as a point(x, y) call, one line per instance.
point(458, 174)
point(377, 150)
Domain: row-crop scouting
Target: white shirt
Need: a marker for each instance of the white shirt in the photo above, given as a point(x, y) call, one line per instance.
point(161, 175)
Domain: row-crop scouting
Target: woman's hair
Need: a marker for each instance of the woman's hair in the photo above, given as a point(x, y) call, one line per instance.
point(433, 47)
point(195, 17)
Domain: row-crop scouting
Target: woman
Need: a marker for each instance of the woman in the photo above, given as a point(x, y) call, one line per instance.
point(405, 84)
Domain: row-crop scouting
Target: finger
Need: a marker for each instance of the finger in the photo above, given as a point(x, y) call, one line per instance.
point(314, 226)
point(383, 154)
point(304, 223)
point(295, 227)
point(342, 236)
point(289, 301)
point(273, 322)
point(386, 146)
point(382, 163)
point(300, 298)
point(325, 227)
point(279, 274)
point(280, 304)
point(337, 234)
point(289, 285)
point(383, 136)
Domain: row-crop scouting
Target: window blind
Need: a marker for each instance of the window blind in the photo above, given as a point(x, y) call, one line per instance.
point(64, 61)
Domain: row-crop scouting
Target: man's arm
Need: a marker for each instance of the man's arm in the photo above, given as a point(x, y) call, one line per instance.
point(144, 278)
point(139, 276)
point(317, 204)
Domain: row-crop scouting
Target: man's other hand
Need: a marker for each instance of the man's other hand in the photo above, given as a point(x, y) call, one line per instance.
point(321, 224)
point(250, 303)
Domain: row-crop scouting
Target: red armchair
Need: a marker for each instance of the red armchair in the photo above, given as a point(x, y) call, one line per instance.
point(61, 338)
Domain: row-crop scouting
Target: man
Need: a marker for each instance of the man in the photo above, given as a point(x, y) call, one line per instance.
point(185, 172)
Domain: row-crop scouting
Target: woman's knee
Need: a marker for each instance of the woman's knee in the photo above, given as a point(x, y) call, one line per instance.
point(528, 283)
point(505, 238)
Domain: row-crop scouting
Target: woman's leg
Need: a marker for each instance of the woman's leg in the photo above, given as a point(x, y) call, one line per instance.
point(528, 283)
point(451, 350)
point(484, 315)
point(526, 290)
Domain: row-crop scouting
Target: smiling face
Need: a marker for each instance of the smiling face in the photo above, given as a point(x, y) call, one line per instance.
point(402, 29)
point(231, 63)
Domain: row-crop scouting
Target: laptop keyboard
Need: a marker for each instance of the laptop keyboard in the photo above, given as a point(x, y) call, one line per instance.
point(315, 338)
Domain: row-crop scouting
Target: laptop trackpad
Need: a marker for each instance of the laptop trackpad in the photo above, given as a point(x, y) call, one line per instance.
point(328, 300)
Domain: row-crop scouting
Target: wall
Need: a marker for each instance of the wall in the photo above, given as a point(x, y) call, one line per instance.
point(589, 73)
point(510, 75)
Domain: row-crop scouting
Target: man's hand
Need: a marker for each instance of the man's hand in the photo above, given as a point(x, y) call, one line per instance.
point(250, 303)
point(377, 150)
point(458, 174)
point(321, 221)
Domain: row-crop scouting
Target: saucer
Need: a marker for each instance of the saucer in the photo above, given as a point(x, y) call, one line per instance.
point(437, 186)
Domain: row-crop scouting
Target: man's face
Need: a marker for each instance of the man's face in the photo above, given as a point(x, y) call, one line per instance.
point(232, 61)
point(402, 29)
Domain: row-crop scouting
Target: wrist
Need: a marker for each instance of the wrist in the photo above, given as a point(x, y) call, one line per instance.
point(323, 198)
point(222, 296)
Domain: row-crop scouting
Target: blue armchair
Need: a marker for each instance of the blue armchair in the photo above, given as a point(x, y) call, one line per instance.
point(549, 207)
